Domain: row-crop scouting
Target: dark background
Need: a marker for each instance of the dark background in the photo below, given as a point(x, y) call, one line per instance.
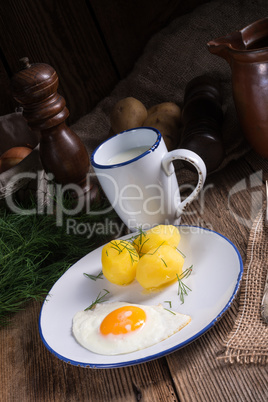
point(92, 44)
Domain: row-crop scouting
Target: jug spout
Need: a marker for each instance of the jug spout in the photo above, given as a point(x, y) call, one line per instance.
point(223, 46)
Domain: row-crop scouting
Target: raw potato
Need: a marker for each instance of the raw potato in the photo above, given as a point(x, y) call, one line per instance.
point(127, 113)
point(159, 267)
point(167, 128)
point(168, 108)
point(156, 237)
point(119, 260)
point(165, 117)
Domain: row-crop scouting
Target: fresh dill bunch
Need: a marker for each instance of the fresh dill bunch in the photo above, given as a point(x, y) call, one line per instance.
point(35, 252)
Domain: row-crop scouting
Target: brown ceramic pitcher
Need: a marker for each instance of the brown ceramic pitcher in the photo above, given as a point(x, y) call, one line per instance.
point(246, 51)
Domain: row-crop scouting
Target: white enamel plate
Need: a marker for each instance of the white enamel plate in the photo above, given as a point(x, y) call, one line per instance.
point(217, 271)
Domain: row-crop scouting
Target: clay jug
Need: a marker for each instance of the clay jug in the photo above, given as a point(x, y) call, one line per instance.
point(246, 51)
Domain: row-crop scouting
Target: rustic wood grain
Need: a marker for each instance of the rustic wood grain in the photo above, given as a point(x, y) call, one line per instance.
point(29, 372)
point(64, 35)
point(91, 44)
point(196, 371)
point(7, 103)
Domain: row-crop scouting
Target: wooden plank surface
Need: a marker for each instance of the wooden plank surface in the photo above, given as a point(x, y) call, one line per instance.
point(64, 35)
point(197, 372)
point(7, 104)
point(90, 43)
point(29, 372)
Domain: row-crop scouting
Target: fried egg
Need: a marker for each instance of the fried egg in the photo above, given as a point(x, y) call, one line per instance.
point(118, 327)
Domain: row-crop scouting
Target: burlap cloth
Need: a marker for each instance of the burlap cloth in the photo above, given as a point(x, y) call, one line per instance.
point(248, 340)
point(171, 59)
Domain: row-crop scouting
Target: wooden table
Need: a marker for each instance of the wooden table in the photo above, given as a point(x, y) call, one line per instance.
point(29, 372)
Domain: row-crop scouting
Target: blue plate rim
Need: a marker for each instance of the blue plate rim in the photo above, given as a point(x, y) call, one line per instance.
point(166, 351)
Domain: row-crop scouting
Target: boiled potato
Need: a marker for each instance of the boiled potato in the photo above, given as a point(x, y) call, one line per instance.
point(159, 267)
point(155, 237)
point(127, 113)
point(119, 260)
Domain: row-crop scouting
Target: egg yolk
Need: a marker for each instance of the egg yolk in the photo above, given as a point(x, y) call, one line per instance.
point(123, 320)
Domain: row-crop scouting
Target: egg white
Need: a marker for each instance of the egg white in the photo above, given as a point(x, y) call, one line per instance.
point(159, 325)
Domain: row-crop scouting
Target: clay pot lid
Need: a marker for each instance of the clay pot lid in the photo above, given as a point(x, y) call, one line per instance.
point(32, 79)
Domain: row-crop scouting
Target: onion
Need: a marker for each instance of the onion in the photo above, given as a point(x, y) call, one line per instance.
point(12, 157)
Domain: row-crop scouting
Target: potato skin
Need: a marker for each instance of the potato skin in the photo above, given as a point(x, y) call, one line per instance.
point(127, 113)
point(168, 126)
point(168, 108)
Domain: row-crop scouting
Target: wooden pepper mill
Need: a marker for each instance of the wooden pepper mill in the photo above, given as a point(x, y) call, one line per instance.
point(62, 153)
point(202, 118)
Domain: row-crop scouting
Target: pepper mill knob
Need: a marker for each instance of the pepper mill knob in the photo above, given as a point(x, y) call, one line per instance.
point(62, 153)
point(25, 62)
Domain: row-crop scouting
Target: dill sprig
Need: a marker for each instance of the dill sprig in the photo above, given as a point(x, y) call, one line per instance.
point(172, 312)
point(182, 288)
point(157, 248)
point(142, 245)
point(141, 241)
point(140, 236)
point(94, 277)
point(169, 302)
point(125, 245)
point(99, 299)
point(183, 255)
